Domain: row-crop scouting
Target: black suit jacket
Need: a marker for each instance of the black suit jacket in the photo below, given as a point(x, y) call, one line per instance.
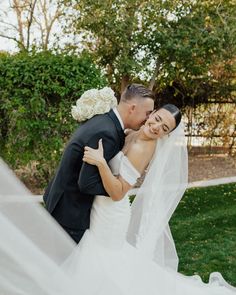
point(70, 194)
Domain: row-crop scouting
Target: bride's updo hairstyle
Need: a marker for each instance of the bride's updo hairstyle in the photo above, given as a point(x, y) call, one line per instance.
point(174, 111)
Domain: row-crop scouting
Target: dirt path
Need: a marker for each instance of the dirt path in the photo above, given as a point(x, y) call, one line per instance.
point(204, 167)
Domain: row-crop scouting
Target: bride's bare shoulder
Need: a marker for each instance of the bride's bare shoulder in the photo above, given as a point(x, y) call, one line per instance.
point(140, 155)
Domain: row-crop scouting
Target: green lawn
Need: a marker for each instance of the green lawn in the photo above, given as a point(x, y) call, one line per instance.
point(204, 230)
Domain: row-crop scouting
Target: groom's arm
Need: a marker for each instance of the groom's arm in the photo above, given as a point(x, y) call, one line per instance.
point(90, 181)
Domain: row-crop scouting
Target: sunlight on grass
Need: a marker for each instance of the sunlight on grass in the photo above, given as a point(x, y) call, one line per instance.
point(204, 230)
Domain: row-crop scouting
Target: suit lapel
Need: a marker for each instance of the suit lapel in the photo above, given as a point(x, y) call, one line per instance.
point(120, 131)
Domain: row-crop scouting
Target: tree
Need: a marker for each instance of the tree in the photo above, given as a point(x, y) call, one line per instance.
point(32, 22)
point(160, 41)
point(190, 46)
point(108, 29)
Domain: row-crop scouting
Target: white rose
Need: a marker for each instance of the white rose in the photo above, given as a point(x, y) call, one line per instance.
point(74, 113)
point(107, 95)
point(93, 102)
point(89, 96)
point(101, 108)
point(86, 112)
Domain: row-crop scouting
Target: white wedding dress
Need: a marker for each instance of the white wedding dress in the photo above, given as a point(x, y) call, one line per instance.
point(105, 263)
point(37, 258)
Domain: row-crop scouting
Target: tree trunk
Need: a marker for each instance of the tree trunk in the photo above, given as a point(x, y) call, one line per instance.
point(18, 10)
point(124, 82)
point(152, 81)
point(29, 23)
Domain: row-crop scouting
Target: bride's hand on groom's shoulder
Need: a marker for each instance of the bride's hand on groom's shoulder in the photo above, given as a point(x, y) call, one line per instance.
point(94, 156)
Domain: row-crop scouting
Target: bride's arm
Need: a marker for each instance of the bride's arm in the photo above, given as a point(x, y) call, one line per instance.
point(116, 187)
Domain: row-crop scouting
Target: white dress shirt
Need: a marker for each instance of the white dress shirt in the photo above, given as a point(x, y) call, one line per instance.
point(118, 117)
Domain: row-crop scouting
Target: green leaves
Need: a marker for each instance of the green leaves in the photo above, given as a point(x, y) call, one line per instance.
point(129, 38)
point(36, 95)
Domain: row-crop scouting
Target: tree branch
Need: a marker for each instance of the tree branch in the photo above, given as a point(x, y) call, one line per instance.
point(152, 81)
point(18, 10)
point(30, 20)
point(9, 24)
point(14, 39)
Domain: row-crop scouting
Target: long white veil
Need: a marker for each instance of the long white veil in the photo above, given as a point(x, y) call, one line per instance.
point(31, 241)
point(156, 200)
point(158, 197)
point(33, 246)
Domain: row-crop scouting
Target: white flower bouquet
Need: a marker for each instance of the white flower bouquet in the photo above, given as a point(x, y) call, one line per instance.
point(93, 102)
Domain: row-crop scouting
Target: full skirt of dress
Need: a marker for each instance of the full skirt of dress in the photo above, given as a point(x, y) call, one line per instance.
point(105, 263)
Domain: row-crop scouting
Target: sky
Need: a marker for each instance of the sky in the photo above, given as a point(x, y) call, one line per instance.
point(8, 19)
point(6, 44)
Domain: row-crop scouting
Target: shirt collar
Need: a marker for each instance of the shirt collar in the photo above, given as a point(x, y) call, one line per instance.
point(118, 117)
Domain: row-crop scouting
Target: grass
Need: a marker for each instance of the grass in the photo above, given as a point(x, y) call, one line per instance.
point(204, 230)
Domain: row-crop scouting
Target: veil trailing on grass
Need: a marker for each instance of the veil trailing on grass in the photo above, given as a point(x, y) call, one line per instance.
point(33, 247)
point(156, 200)
point(32, 244)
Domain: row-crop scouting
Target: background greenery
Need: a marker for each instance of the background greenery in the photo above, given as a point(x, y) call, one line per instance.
point(184, 50)
point(203, 227)
point(36, 94)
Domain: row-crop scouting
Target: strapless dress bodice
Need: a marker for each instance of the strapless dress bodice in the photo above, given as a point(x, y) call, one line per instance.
point(109, 219)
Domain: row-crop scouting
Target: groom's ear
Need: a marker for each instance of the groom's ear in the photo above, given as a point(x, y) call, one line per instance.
point(133, 106)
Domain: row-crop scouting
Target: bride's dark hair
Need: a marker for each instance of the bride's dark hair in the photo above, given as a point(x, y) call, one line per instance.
point(174, 111)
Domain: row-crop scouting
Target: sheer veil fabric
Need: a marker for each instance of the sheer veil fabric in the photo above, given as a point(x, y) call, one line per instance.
point(163, 187)
point(155, 201)
point(32, 245)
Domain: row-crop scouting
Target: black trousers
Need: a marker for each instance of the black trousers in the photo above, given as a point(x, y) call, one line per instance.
point(75, 234)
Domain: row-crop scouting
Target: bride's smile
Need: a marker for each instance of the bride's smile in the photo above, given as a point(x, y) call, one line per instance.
point(159, 124)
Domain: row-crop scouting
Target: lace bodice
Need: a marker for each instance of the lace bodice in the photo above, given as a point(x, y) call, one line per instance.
point(109, 219)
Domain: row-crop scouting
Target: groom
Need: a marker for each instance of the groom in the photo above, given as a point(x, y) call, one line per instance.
point(70, 194)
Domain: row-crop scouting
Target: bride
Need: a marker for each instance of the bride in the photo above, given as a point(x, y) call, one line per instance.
point(124, 251)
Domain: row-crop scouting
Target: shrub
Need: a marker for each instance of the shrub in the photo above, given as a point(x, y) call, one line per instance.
point(36, 94)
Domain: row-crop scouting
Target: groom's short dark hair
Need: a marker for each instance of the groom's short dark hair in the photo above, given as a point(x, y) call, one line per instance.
point(136, 90)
